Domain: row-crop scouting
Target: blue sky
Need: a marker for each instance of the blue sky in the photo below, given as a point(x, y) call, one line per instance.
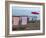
point(18, 11)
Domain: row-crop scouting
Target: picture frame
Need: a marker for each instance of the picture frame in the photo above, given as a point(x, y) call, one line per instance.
point(8, 19)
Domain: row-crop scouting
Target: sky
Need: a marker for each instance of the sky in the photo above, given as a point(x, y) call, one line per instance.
point(18, 11)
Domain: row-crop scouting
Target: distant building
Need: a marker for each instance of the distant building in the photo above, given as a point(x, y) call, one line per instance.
point(24, 19)
point(19, 20)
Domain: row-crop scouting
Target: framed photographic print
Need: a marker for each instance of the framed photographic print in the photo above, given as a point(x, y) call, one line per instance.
point(24, 18)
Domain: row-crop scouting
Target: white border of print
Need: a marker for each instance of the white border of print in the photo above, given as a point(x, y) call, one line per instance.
point(29, 31)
